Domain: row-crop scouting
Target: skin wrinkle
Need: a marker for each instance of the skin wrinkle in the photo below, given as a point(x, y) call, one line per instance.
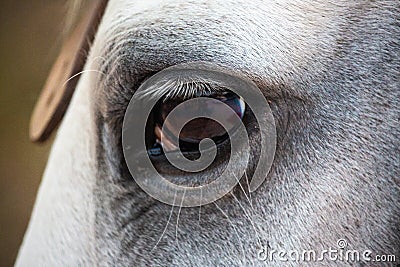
point(330, 70)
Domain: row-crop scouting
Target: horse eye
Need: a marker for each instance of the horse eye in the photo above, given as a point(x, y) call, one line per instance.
point(195, 130)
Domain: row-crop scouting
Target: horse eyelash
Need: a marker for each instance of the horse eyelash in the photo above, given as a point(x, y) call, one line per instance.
point(182, 89)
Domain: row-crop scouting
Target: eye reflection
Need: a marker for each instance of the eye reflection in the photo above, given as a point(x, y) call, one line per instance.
point(195, 130)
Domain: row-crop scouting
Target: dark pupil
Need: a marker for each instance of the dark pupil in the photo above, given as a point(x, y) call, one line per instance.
point(197, 129)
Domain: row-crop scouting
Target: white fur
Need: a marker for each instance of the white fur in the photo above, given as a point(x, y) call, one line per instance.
point(61, 231)
point(330, 70)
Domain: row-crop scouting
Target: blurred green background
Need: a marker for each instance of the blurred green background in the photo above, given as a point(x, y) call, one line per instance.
point(30, 36)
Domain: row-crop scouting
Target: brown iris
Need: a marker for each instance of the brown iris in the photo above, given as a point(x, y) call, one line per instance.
point(195, 130)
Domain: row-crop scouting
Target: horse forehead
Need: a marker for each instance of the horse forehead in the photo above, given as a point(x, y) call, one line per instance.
point(270, 39)
point(180, 9)
point(275, 22)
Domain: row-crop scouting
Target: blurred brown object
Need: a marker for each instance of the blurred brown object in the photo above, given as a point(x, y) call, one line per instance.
point(60, 85)
point(30, 36)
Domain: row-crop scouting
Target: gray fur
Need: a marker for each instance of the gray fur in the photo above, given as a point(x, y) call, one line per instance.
point(331, 73)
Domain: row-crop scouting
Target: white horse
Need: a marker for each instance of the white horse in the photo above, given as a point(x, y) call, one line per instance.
point(330, 71)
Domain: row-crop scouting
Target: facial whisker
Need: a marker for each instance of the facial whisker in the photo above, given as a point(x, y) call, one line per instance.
point(248, 186)
point(201, 199)
point(79, 73)
point(250, 218)
point(177, 218)
point(166, 226)
point(235, 229)
point(244, 192)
